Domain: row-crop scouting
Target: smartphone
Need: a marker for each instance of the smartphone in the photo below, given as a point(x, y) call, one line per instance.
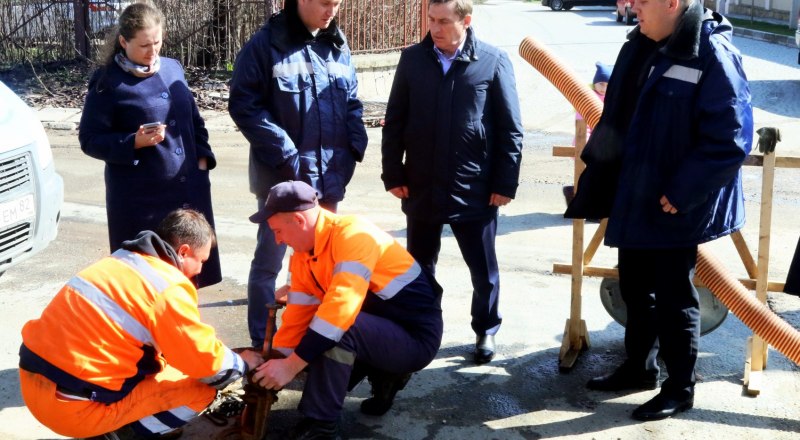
point(151, 125)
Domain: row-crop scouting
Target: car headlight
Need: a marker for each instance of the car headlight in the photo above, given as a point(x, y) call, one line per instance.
point(43, 150)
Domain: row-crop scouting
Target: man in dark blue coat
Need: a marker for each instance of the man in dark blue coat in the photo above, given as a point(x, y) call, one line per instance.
point(677, 129)
point(452, 146)
point(294, 97)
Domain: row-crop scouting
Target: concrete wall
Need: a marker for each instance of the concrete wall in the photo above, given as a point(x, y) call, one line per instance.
point(773, 11)
point(375, 75)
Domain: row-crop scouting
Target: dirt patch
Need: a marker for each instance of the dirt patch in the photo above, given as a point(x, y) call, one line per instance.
point(63, 84)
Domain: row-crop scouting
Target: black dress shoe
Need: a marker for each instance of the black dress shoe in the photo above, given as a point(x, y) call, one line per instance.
point(484, 349)
point(384, 387)
point(661, 407)
point(621, 380)
point(313, 429)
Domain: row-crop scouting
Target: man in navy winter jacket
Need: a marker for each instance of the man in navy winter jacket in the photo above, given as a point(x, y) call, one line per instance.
point(679, 118)
point(294, 97)
point(452, 146)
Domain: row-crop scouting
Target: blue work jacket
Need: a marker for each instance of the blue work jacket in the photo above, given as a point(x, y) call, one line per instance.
point(294, 97)
point(689, 135)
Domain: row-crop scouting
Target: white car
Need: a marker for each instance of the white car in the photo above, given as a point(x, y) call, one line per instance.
point(31, 192)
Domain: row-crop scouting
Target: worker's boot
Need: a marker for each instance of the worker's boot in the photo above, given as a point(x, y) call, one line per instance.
point(384, 387)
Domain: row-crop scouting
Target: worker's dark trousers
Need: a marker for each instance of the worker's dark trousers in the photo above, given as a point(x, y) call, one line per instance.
point(375, 341)
point(476, 240)
point(663, 314)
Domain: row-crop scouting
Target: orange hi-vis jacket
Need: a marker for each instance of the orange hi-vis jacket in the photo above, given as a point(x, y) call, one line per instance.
point(119, 320)
point(354, 266)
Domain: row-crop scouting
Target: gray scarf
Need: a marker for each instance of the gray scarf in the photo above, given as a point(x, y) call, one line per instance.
point(134, 69)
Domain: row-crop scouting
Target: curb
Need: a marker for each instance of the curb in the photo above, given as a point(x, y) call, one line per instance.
point(783, 40)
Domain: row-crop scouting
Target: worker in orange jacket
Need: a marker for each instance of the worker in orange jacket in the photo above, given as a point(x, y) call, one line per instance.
point(121, 346)
point(358, 304)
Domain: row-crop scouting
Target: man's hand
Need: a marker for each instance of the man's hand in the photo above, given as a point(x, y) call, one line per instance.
point(282, 294)
point(252, 358)
point(401, 192)
point(498, 200)
point(276, 373)
point(666, 206)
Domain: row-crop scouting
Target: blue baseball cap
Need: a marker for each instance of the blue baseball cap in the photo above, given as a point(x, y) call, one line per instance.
point(289, 196)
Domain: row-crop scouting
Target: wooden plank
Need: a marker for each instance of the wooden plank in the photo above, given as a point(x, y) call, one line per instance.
point(594, 243)
point(610, 272)
point(758, 361)
point(588, 271)
point(744, 253)
point(563, 151)
point(757, 160)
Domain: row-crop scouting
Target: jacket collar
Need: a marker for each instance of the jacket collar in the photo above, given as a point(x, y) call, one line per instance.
point(289, 30)
point(322, 232)
point(468, 53)
point(149, 243)
point(684, 43)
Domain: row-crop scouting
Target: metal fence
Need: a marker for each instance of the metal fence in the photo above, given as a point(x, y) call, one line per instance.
point(198, 32)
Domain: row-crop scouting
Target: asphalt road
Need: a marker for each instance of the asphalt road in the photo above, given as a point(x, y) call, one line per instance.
point(522, 394)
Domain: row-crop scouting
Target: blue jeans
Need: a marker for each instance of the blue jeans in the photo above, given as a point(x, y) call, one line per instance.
point(264, 269)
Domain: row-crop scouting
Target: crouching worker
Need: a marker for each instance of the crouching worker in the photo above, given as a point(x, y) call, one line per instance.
point(120, 352)
point(357, 299)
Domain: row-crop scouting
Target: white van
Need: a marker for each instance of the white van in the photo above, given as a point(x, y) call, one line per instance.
point(31, 192)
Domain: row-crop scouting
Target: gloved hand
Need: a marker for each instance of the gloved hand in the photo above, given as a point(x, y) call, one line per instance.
point(767, 138)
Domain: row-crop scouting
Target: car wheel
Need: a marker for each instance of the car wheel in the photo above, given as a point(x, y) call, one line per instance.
point(556, 5)
point(619, 17)
point(628, 17)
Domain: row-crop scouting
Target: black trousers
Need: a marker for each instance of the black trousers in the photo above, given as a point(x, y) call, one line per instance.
point(476, 240)
point(663, 314)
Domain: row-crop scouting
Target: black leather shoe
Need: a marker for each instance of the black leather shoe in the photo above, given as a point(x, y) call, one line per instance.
point(313, 429)
point(661, 407)
point(621, 380)
point(484, 349)
point(384, 387)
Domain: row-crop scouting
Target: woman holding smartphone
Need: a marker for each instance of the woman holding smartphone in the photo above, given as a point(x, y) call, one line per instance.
point(141, 119)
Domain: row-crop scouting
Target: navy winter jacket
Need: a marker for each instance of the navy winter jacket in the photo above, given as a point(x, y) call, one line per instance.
point(294, 97)
point(143, 185)
point(452, 139)
point(689, 135)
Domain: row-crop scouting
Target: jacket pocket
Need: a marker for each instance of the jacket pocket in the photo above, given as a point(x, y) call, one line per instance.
point(294, 84)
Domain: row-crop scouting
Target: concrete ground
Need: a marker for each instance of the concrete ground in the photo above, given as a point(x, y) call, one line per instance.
point(522, 394)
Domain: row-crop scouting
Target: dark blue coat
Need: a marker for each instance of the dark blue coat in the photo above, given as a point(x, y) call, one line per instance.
point(687, 139)
point(294, 97)
point(453, 139)
point(143, 185)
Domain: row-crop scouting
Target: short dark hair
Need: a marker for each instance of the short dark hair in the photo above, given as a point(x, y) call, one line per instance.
point(186, 226)
point(463, 7)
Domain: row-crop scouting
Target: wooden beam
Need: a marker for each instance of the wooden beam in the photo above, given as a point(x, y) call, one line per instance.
point(744, 253)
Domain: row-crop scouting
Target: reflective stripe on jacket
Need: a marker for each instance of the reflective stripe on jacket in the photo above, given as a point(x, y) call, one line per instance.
point(119, 320)
point(355, 266)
